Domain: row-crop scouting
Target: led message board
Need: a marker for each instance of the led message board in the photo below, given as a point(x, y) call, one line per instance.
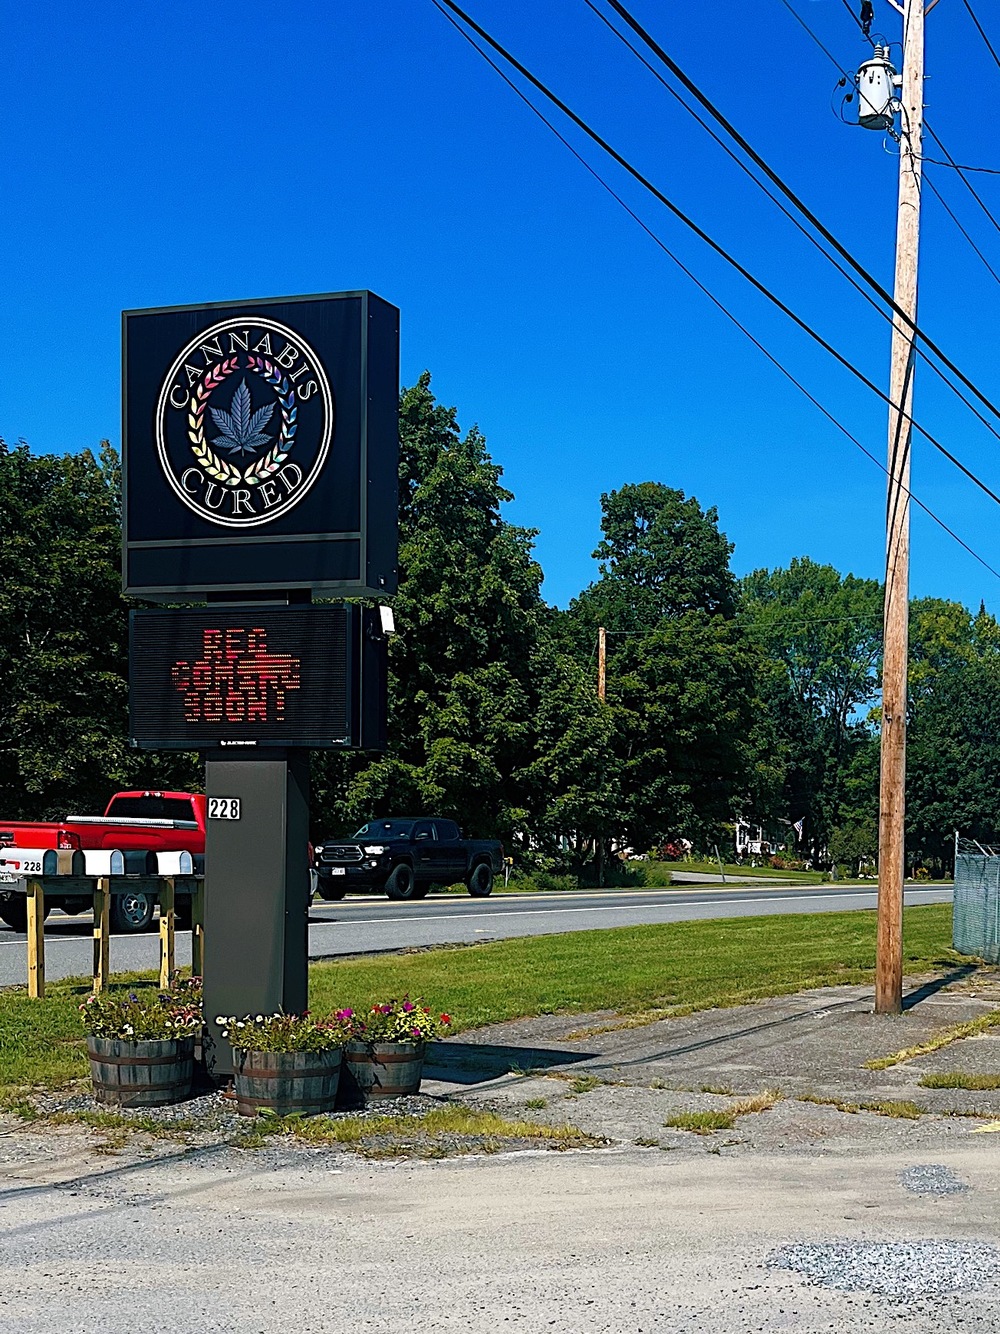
point(260, 447)
point(236, 679)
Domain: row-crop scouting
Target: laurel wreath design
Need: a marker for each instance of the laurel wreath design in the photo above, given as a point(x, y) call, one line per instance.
point(259, 471)
point(269, 464)
point(217, 468)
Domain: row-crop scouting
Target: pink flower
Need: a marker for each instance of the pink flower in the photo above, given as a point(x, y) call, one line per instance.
point(408, 1006)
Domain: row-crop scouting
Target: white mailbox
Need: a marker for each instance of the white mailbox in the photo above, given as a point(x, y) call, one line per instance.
point(18, 862)
point(103, 861)
point(174, 863)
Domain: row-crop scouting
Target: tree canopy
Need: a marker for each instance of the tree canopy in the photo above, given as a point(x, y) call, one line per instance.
point(754, 698)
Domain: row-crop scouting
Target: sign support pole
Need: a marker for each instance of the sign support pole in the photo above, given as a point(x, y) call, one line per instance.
point(257, 894)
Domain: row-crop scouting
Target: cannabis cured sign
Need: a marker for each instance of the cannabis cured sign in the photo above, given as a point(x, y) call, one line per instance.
point(260, 446)
point(233, 678)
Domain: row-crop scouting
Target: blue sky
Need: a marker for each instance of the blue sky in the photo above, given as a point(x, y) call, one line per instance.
point(187, 152)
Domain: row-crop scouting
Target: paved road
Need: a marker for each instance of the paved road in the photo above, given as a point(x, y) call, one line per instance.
point(633, 1241)
point(366, 925)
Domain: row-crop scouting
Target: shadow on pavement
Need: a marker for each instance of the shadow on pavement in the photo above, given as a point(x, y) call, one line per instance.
point(477, 1063)
point(937, 984)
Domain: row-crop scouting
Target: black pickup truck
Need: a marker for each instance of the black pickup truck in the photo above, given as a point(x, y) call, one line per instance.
point(405, 856)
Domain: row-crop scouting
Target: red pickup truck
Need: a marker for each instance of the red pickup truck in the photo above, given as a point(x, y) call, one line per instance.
point(133, 821)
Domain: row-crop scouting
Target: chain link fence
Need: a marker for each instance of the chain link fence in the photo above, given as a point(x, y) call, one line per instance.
point(976, 916)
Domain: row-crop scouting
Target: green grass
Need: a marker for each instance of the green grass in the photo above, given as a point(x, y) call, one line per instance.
point(740, 872)
point(960, 1079)
point(441, 1131)
point(701, 1123)
point(704, 1123)
point(633, 971)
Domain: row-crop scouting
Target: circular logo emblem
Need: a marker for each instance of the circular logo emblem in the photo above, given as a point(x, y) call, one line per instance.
point(244, 422)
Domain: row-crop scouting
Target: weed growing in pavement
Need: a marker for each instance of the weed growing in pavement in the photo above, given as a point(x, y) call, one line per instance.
point(759, 1102)
point(536, 1104)
point(960, 1079)
point(645, 1143)
point(703, 1123)
point(442, 1130)
point(723, 1089)
point(898, 1109)
point(700, 1123)
point(584, 1084)
point(839, 1103)
point(970, 1029)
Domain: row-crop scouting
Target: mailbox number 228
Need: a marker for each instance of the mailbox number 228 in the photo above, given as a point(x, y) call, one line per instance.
point(223, 808)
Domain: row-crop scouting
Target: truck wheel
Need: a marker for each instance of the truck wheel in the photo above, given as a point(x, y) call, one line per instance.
point(402, 884)
point(131, 912)
point(329, 889)
point(480, 881)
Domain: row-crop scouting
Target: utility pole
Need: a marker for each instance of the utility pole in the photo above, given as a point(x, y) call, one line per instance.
point(602, 663)
point(892, 794)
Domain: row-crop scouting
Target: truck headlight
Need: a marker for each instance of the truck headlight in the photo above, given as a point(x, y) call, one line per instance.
point(375, 850)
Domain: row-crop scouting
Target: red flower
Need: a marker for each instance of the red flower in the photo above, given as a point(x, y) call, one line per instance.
point(446, 1019)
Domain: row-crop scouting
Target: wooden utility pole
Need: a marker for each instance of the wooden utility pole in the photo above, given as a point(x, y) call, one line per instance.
point(892, 795)
point(602, 663)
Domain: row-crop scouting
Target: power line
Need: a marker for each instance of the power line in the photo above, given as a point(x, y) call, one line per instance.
point(786, 190)
point(440, 5)
point(935, 161)
point(947, 208)
point(961, 175)
point(709, 241)
point(796, 222)
point(951, 161)
point(960, 166)
point(982, 33)
point(825, 49)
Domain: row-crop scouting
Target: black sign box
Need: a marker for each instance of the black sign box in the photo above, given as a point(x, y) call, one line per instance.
point(260, 447)
point(236, 679)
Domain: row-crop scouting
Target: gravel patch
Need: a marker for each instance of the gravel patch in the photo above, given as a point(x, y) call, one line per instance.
point(892, 1268)
point(932, 1179)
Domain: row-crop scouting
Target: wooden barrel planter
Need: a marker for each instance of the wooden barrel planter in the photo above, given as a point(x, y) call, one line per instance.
point(286, 1081)
point(141, 1074)
point(374, 1071)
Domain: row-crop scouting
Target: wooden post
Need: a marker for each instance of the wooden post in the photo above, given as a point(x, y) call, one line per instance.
point(602, 663)
point(892, 795)
point(167, 932)
point(102, 932)
point(198, 929)
point(36, 939)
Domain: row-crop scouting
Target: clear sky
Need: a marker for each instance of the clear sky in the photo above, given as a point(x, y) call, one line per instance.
point(157, 155)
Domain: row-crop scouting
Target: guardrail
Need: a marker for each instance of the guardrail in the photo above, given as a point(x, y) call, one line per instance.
point(164, 887)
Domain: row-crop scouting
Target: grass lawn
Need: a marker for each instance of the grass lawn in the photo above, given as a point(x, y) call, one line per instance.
point(630, 970)
point(751, 872)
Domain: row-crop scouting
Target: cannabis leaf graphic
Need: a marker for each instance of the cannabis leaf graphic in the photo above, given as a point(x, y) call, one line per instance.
point(241, 431)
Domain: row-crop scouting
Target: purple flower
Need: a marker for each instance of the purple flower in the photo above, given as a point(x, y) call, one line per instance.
point(408, 1006)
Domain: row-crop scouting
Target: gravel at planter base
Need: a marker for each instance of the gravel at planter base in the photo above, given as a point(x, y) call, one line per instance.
point(932, 1179)
point(892, 1268)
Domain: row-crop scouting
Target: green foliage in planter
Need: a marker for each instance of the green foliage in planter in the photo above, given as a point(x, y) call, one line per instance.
point(132, 1016)
point(400, 1021)
point(288, 1032)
